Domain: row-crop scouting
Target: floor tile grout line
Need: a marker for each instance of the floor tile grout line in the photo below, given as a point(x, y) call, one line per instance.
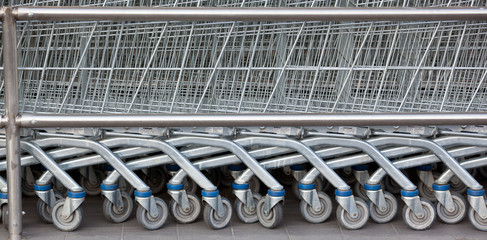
point(287, 232)
point(123, 231)
point(177, 230)
point(341, 231)
point(395, 230)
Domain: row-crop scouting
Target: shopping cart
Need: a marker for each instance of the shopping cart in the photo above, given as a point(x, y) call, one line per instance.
point(101, 67)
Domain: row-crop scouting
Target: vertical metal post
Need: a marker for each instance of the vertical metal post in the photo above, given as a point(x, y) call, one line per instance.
point(9, 39)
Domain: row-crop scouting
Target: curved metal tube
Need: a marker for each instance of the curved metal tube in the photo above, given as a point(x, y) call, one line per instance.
point(48, 163)
point(175, 155)
point(377, 176)
point(197, 152)
point(442, 154)
point(104, 152)
point(473, 163)
point(236, 149)
point(3, 185)
point(304, 150)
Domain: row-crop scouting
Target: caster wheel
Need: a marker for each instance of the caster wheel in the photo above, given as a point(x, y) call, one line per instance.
point(321, 215)
point(360, 191)
point(5, 215)
point(147, 221)
point(347, 175)
point(245, 214)
point(475, 220)
point(115, 215)
point(186, 215)
point(273, 218)
point(92, 188)
point(125, 187)
point(419, 223)
point(28, 188)
point(44, 211)
point(384, 215)
point(457, 186)
point(426, 192)
point(391, 185)
point(213, 220)
point(457, 215)
point(68, 224)
point(346, 221)
point(155, 179)
point(254, 184)
point(318, 184)
point(189, 185)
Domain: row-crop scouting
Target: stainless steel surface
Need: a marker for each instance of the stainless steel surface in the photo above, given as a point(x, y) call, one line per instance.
point(103, 151)
point(248, 14)
point(9, 41)
point(242, 120)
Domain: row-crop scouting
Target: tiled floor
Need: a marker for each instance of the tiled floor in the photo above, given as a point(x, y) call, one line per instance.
point(94, 226)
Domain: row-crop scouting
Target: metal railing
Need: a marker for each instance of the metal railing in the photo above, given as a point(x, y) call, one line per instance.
point(13, 120)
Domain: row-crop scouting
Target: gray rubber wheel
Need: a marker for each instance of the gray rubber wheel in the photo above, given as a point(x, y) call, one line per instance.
point(320, 216)
point(28, 188)
point(426, 192)
point(213, 220)
point(5, 215)
point(189, 185)
point(147, 221)
point(384, 216)
point(189, 215)
point(360, 191)
point(476, 220)
point(92, 189)
point(68, 224)
point(391, 186)
point(155, 179)
point(254, 184)
point(419, 223)
point(44, 211)
point(457, 215)
point(456, 185)
point(274, 217)
point(347, 175)
point(124, 186)
point(115, 215)
point(245, 214)
point(346, 221)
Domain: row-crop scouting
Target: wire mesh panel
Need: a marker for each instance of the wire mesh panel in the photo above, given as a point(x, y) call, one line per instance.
point(232, 67)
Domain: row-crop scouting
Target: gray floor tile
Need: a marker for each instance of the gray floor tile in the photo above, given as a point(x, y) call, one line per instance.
point(254, 233)
point(44, 233)
point(186, 233)
point(434, 233)
point(371, 231)
point(313, 232)
point(96, 233)
point(140, 233)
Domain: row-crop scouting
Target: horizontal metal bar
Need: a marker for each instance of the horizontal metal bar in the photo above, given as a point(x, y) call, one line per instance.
point(248, 14)
point(244, 120)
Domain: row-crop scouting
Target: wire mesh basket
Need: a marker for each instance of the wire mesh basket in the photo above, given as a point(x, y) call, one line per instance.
point(238, 67)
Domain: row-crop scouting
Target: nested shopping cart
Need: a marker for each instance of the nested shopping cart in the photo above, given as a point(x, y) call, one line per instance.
point(238, 68)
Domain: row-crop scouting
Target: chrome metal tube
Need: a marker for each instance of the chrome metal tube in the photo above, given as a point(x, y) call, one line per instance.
point(14, 173)
point(242, 120)
point(248, 14)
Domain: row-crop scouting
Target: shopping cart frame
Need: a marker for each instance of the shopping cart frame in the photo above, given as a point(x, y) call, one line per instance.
point(13, 121)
